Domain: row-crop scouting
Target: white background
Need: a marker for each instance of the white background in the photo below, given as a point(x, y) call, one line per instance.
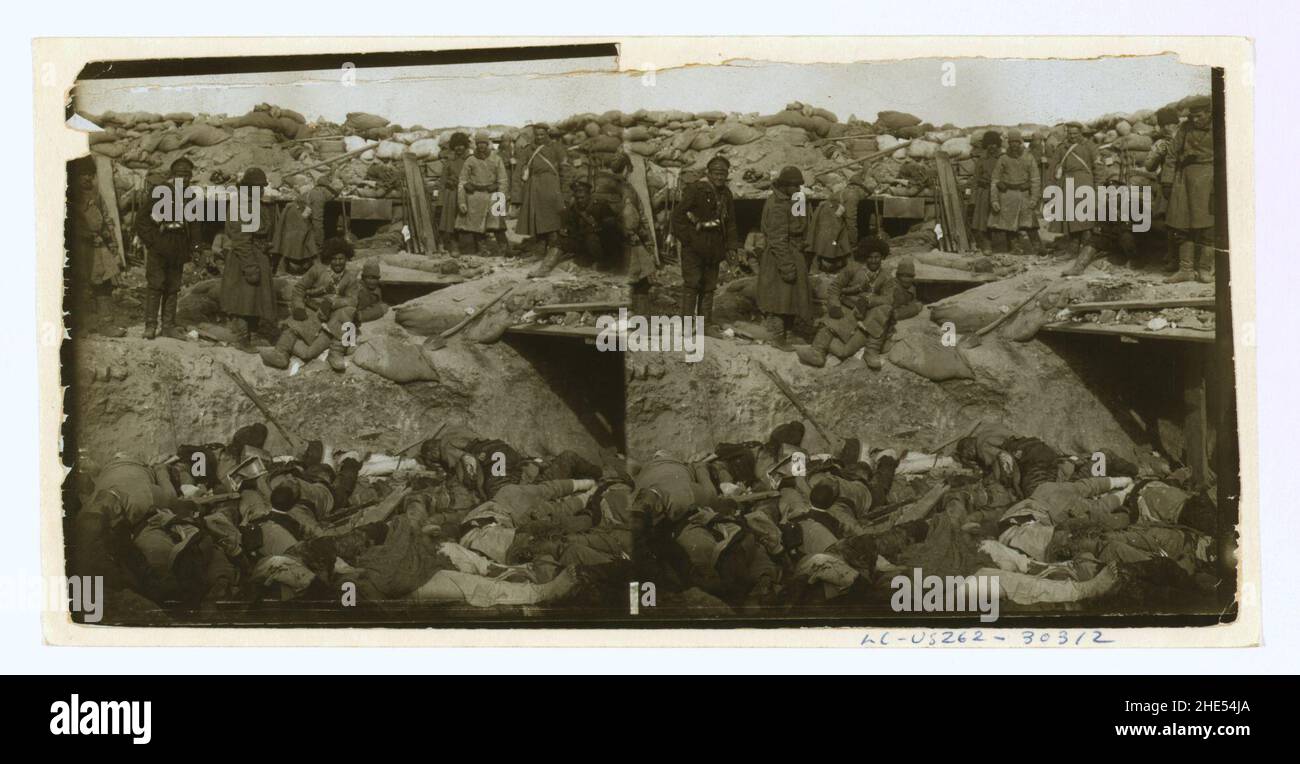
point(1271, 25)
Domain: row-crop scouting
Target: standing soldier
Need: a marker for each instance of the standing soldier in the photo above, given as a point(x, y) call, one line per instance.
point(325, 191)
point(991, 146)
point(169, 245)
point(481, 195)
point(542, 210)
point(247, 291)
point(94, 254)
point(449, 189)
point(634, 229)
point(1161, 162)
point(1015, 191)
point(1072, 164)
point(783, 292)
point(705, 223)
point(1191, 201)
point(835, 225)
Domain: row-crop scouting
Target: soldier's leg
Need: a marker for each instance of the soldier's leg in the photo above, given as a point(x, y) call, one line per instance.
point(155, 279)
point(170, 296)
point(815, 354)
point(999, 241)
point(708, 286)
point(692, 278)
point(1204, 255)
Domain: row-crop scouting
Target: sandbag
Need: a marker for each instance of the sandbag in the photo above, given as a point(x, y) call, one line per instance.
point(705, 139)
point(886, 142)
point(1136, 142)
point(602, 143)
point(1025, 324)
point(737, 134)
point(637, 133)
point(927, 356)
point(353, 142)
point(358, 121)
point(425, 148)
point(489, 328)
point(957, 148)
point(204, 135)
point(922, 149)
point(112, 150)
point(894, 120)
point(393, 358)
point(642, 148)
point(390, 150)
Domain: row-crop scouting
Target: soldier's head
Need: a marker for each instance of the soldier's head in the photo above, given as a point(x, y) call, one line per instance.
point(370, 275)
point(336, 253)
point(84, 170)
point(541, 133)
point(789, 181)
point(906, 272)
point(1198, 112)
point(1074, 131)
point(1015, 143)
point(620, 165)
point(183, 169)
point(459, 144)
point(717, 170)
point(482, 144)
point(254, 177)
point(1167, 120)
point(872, 252)
point(823, 495)
point(581, 193)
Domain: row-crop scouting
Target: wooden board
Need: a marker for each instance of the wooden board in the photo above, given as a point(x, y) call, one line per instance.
point(638, 181)
point(951, 204)
point(580, 307)
point(108, 194)
point(1133, 332)
point(1190, 302)
point(420, 218)
point(586, 333)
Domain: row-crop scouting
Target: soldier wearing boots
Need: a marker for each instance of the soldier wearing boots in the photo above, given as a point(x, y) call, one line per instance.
point(94, 261)
point(782, 291)
point(247, 288)
point(839, 333)
point(1015, 192)
point(1072, 167)
point(1191, 201)
point(169, 245)
point(324, 310)
point(705, 223)
point(1163, 165)
point(893, 301)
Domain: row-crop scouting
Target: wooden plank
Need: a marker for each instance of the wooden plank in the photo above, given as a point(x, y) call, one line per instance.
point(1132, 331)
point(108, 194)
point(1188, 302)
point(586, 333)
point(638, 181)
point(421, 219)
point(595, 307)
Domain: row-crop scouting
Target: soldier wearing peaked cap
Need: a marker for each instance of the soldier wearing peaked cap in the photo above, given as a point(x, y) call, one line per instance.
point(704, 221)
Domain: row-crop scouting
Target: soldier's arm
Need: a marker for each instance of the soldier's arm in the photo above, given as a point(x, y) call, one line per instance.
point(683, 228)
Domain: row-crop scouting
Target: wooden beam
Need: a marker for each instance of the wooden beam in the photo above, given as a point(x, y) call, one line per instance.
point(1131, 331)
point(595, 307)
point(1188, 302)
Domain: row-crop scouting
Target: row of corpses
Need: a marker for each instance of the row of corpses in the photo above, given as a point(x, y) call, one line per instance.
point(466, 520)
point(766, 527)
point(751, 527)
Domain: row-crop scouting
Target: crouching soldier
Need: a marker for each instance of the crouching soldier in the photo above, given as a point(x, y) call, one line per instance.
point(324, 311)
point(170, 244)
point(839, 333)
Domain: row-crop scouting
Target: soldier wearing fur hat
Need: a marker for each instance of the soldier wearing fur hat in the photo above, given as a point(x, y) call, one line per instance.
point(481, 196)
point(783, 291)
point(449, 190)
point(169, 245)
point(704, 221)
point(1191, 200)
point(247, 288)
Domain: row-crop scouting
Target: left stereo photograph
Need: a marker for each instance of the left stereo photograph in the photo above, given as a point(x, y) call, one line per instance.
point(325, 370)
